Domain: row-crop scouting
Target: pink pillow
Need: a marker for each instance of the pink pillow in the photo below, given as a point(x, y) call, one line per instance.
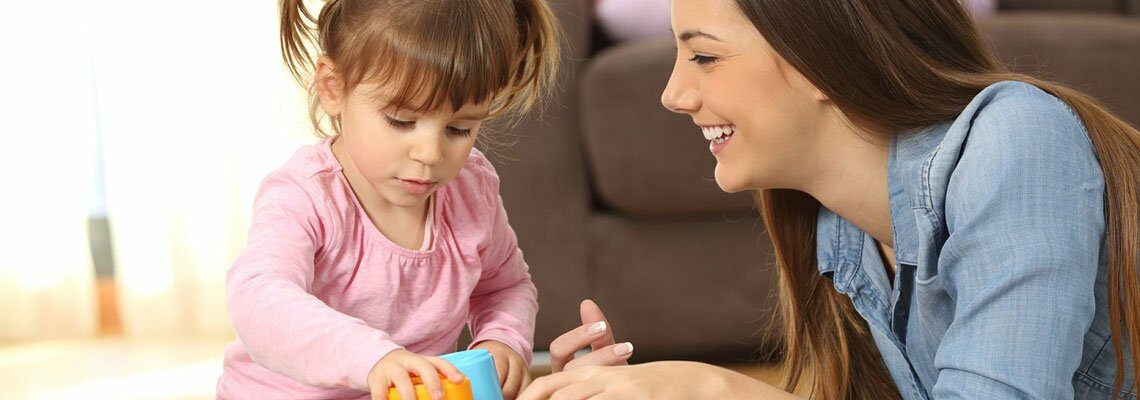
point(981, 8)
point(640, 19)
point(633, 19)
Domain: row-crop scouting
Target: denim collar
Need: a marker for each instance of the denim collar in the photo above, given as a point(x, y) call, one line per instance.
point(841, 246)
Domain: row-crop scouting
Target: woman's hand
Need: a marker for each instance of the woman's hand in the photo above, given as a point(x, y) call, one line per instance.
point(596, 333)
point(514, 375)
point(657, 380)
point(397, 367)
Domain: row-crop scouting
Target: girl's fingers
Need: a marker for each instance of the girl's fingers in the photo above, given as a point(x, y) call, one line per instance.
point(403, 383)
point(379, 386)
point(513, 379)
point(525, 382)
point(430, 378)
point(502, 366)
point(610, 355)
point(446, 369)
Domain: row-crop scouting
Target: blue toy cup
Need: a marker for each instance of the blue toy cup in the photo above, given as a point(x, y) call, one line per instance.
point(479, 367)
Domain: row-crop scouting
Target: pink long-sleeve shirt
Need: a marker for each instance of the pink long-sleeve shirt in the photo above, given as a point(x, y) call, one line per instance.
point(319, 295)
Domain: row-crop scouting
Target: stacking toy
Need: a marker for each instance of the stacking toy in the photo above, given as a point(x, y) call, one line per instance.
point(451, 391)
point(479, 367)
point(482, 381)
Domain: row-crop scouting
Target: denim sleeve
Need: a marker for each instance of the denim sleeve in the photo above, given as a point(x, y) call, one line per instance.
point(1025, 221)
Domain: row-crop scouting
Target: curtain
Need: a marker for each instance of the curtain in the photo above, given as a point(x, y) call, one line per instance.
point(195, 109)
point(46, 157)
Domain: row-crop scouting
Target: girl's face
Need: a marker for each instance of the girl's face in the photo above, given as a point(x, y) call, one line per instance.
point(761, 117)
point(403, 155)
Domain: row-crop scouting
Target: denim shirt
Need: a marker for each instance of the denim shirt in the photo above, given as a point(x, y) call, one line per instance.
point(999, 236)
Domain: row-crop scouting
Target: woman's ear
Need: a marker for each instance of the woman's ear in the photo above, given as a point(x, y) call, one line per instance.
point(330, 89)
point(819, 95)
point(800, 82)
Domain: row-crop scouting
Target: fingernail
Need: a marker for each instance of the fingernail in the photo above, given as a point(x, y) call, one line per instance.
point(597, 327)
point(623, 349)
point(437, 394)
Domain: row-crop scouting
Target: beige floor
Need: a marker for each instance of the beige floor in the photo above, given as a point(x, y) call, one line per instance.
point(112, 368)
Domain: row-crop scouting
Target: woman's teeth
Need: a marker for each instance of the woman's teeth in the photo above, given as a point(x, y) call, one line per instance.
point(719, 133)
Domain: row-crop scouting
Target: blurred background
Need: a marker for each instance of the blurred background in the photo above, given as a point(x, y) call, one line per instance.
point(136, 133)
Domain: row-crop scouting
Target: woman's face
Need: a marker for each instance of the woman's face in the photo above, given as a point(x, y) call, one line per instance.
point(760, 116)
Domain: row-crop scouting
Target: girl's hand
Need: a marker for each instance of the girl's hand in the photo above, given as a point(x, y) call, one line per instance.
point(514, 376)
point(397, 367)
point(596, 333)
point(658, 380)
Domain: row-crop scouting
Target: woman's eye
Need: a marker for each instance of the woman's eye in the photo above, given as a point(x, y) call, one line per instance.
point(459, 132)
point(399, 123)
point(703, 60)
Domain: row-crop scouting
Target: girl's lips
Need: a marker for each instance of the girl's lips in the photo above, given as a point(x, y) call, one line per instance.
point(416, 187)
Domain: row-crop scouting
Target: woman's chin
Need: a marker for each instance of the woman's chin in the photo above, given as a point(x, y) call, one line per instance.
point(729, 184)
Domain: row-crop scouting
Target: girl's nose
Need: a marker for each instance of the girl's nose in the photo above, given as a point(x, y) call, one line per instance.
point(427, 150)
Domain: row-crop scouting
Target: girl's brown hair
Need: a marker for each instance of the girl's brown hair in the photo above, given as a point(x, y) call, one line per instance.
point(428, 53)
point(901, 66)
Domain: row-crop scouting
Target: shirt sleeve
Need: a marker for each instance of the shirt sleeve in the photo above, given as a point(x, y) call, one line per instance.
point(282, 326)
point(1025, 217)
point(505, 300)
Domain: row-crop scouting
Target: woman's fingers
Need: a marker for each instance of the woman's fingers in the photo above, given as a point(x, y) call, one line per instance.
point(578, 391)
point(563, 348)
point(610, 355)
point(595, 332)
point(592, 314)
point(545, 387)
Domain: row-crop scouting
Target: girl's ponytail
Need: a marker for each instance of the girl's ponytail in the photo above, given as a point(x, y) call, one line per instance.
point(297, 35)
point(538, 57)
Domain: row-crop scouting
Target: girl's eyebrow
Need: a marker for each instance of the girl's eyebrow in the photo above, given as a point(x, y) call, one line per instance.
point(471, 117)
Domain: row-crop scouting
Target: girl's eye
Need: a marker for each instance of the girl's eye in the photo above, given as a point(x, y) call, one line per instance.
point(396, 123)
point(459, 132)
point(703, 60)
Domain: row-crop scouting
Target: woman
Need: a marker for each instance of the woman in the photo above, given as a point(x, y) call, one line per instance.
point(943, 228)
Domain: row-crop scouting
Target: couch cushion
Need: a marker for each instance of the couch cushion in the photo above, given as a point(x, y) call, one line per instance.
point(1097, 54)
point(690, 287)
point(1110, 6)
point(645, 159)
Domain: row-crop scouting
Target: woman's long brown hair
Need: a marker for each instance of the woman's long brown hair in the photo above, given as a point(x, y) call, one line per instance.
point(900, 66)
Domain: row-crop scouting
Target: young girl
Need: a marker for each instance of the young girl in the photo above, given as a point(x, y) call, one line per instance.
point(370, 250)
point(943, 228)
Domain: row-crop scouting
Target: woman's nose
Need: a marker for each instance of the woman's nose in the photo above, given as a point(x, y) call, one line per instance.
point(679, 96)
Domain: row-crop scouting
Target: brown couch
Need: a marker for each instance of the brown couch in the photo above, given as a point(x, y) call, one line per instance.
point(613, 199)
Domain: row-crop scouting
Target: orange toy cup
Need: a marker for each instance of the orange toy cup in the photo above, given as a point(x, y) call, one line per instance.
point(451, 391)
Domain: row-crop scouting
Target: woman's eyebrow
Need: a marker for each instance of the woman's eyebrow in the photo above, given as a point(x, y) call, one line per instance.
point(692, 33)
